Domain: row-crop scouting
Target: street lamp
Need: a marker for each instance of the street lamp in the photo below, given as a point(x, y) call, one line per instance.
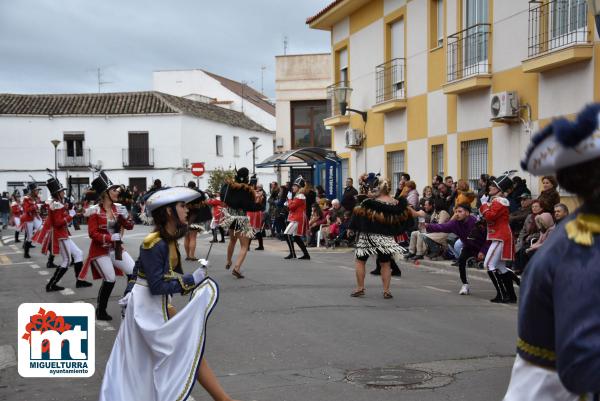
point(55, 142)
point(594, 6)
point(253, 139)
point(341, 95)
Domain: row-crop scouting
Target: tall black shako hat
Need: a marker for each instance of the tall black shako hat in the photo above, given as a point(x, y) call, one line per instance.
point(241, 175)
point(102, 183)
point(32, 186)
point(503, 183)
point(299, 182)
point(53, 184)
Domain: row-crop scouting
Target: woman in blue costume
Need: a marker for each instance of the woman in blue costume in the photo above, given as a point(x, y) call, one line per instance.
point(558, 349)
point(158, 355)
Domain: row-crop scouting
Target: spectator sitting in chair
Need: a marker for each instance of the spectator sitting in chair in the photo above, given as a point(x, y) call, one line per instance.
point(434, 243)
point(317, 218)
point(345, 235)
point(560, 212)
point(415, 245)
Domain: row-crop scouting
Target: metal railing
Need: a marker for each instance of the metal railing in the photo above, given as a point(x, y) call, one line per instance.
point(390, 81)
point(556, 24)
point(138, 157)
point(333, 107)
point(74, 158)
point(468, 52)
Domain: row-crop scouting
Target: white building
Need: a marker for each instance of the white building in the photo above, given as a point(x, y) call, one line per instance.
point(214, 89)
point(135, 137)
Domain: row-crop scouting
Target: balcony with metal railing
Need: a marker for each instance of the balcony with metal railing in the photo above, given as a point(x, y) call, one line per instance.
point(138, 158)
point(558, 34)
point(468, 55)
point(390, 92)
point(74, 158)
point(333, 107)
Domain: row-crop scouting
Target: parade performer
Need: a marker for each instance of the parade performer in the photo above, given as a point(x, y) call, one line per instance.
point(558, 349)
point(54, 237)
point(30, 219)
point(199, 214)
point(495, 211)
point(257, 217)
point(217, 214)
point(377, 220)
point(157, 355)
point(41, 234)
point(239, 198)
point(106, 256)
point(297, 222)
point(16, 210)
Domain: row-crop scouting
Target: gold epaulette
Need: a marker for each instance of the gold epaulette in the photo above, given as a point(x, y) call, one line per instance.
point(582, 229)
point(151, 240)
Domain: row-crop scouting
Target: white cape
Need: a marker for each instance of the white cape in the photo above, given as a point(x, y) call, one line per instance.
point(155, 358)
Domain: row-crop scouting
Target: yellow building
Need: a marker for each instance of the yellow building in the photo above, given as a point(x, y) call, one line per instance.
point(455, 87)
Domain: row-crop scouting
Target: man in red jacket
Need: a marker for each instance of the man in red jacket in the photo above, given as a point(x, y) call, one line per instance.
point(297, 220)
point(30, 220)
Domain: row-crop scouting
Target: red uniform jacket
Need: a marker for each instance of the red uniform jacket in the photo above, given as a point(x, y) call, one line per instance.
point(30, 209)
point(16, 209)
point(101, 244)
point(496, 215)
point(297, 212)
point(54, 228)
point(217, 209)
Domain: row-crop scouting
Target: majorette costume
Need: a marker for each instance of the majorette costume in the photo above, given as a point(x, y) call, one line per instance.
point(104, 230)
point(297, 223)
point(30, 219)
point(257, 217)
point(377, 224)
point(217, 214)
point(16, 211)
point(558, 349)
point(156, 356)
point(239, 199)
point(54, 237)
point(495, 212)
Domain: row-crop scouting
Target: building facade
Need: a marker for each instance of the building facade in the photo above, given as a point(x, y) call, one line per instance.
point(455, 87)
point(214, 89)
point(136, 137)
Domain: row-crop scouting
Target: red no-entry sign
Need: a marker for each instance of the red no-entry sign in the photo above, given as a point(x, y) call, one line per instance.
point(198, 169)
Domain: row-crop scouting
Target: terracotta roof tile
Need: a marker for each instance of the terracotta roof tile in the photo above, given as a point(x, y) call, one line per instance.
point(323, 11)
point(122, 103)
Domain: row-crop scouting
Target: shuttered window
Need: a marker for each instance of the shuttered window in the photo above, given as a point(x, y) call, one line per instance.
point(395, 164)
point(474, 156)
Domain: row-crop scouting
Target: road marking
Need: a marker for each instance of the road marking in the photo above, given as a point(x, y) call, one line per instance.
point(34, 266)
point(43, 273)
point(104, 326)
point(67, 291)
point(437, 289)
point(346, 267)
point(16, 248)
point(4, 260)
point(10, 253)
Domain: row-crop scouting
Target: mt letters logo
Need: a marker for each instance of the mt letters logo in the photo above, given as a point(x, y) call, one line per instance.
point(56, 340)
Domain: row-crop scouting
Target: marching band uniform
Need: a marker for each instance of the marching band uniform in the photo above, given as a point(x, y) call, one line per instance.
point(105, 235)
point(16, 211)
point(558, 349)
point(297, 223)
point(217, 214)
point(256, 217)
point(156, 356)
point(30, 219)
point(496, 213)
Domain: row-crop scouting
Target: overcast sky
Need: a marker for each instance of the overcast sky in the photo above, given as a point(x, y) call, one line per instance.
point(55, 46)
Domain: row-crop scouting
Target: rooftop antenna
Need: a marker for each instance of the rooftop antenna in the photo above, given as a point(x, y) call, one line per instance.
point(285, 45)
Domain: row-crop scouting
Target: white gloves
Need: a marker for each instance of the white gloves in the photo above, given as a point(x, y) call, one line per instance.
point(199, 274)
point(122, 210)
point(115, 237)
point(485, 199)
point(289, 195)
point(203, 262)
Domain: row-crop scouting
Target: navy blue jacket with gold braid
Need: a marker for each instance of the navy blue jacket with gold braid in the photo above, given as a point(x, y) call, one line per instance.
point(158, 264)
point(559, 311)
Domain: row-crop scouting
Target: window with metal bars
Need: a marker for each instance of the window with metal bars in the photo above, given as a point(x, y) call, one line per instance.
point(437, 160)
point(474, 156)
point(395, 164)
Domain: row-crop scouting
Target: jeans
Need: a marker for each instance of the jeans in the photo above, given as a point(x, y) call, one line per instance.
point(3, 219)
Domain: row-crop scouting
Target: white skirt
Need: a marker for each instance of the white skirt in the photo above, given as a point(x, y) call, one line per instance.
point(155, 358)
point(531, 382)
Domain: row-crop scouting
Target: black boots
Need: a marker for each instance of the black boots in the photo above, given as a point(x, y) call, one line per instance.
point(77, 270)
point(103, 296)
point(17, 237)
point(52, 284)
point(259, 237)
point(214, 233)
point(505, 292)
point(300, 243)
point(26, 248)
point(290, 243)
point(50, 263)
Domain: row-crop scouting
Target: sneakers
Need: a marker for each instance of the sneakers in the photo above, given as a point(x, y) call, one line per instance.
point(464, 290)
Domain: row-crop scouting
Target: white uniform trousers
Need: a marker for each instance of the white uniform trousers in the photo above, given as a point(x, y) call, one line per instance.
point(493, 258)
point(68, 249)
point(107, 264)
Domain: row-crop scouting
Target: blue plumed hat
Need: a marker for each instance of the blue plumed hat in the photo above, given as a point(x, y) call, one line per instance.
point(564, 143)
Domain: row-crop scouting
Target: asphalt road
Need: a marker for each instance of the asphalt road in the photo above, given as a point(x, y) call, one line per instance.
point(291, 332)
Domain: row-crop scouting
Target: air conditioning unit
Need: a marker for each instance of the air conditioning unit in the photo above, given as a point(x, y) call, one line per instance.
point(354, 138)
point(504, 106)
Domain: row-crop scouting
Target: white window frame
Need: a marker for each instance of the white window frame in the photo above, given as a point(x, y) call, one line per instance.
point(396, 167)
point(236, 146)
point(560, 36)
point(219, 145)
point(480, 64)
point(397, 47)
point(440, 22)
